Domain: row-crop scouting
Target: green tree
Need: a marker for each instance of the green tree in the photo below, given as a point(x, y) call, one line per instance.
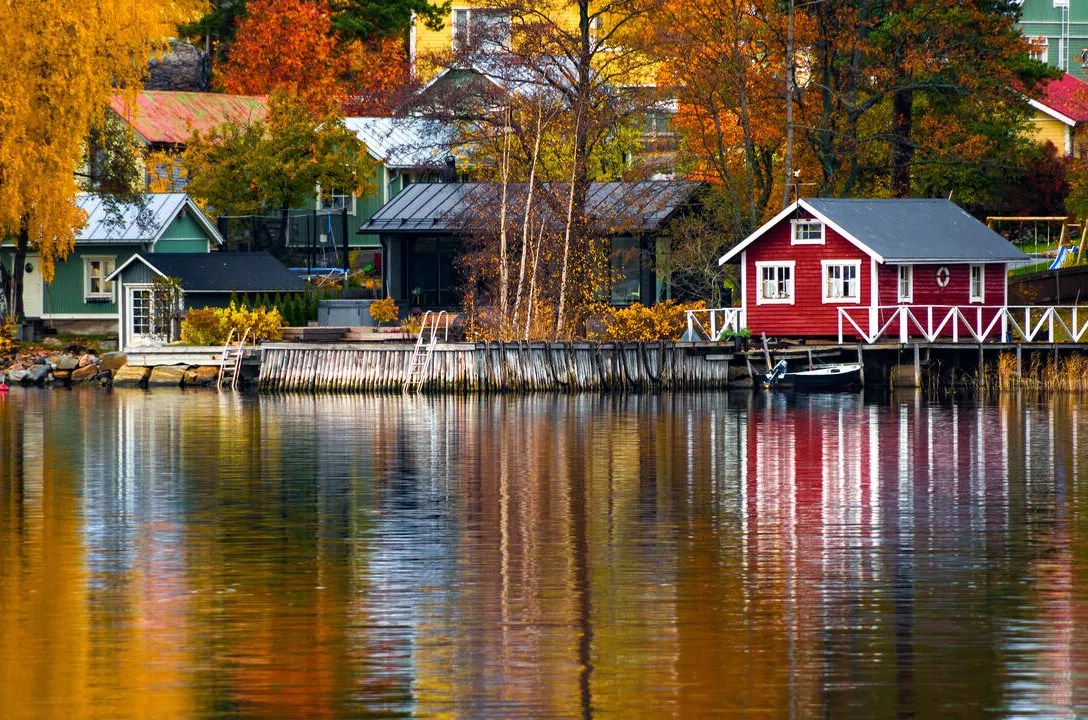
point(370, 20)
point(276, 164)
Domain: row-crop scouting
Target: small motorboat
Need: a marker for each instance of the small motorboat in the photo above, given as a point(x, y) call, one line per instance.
point(826, 377)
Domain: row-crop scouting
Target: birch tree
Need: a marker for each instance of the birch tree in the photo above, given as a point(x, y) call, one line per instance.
point(59, 62)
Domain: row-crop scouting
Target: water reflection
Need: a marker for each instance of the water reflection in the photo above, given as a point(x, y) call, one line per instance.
point(203, 555)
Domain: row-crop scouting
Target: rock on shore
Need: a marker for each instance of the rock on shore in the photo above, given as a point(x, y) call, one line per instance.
point(76, 365)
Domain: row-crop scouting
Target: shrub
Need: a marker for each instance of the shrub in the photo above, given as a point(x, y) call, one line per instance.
point(212, 326)
point(638, 323)
point(384, 311)
point(8, 329)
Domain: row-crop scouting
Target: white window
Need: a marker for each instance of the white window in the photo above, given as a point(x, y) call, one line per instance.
point(775, 283)
point(1038, 49)
point(906, 283)
point(807, 232)
point(841, 281)
point(335, 200)
point(95, 271)
point(978, 283)
point(480, 30)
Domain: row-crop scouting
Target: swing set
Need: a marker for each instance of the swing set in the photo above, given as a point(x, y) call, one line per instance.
point(1020, 234)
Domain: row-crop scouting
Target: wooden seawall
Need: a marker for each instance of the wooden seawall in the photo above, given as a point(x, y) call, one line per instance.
point(494, 367)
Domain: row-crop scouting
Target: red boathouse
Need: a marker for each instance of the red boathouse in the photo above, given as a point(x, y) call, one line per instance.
point(871, 257)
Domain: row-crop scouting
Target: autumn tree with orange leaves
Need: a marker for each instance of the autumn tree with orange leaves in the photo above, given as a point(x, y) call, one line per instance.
point(293, 46)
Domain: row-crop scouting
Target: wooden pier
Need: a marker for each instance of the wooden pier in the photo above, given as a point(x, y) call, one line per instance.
point(498, 367)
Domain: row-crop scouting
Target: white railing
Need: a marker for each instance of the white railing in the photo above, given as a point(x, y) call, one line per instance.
point(964, 323)
point(714, 324)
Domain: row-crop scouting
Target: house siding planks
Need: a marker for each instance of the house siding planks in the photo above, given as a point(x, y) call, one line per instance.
point(1047, 129)
point(65, 295)
point(183, 235)
point(808, 315)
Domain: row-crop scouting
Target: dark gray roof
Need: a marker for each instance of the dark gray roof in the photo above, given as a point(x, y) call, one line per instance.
point(915, 230)
point(459, 207)
point(222, 271)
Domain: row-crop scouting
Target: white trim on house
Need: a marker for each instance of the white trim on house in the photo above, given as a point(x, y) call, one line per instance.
point(815, 214)
point(135, 256)
point(80, 316)
point(900, 296)
point(852, 298)
point(791, 282)
point(744, 281)
point(797, 223)
point(980, 296)
point(1060, 117)
point(107, 295)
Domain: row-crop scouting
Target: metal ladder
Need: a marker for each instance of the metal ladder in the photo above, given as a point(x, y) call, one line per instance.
point(230, 363)
point(420, 362)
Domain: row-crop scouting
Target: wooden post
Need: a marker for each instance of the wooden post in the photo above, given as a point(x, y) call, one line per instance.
point(981, 361)
point(1019, 352)
point(809, 358)
point(917, 366)
point(766, 351)
point(861, 362)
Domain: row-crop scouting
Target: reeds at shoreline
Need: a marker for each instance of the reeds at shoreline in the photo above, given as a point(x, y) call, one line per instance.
point(1052, 375)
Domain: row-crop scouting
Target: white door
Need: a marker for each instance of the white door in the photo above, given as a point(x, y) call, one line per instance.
point(138, 316)
point(33, 289)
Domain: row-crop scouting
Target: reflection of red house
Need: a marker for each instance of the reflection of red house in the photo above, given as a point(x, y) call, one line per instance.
point(870, 256)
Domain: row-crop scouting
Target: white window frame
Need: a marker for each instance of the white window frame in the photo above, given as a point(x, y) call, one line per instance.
point(346, 199)
point(459, 42)
point(106, 294)
point(791, 282)
point(1039, 48)
point(795, 237)
point(980, 296)
point(905, 276)
point(825, 269)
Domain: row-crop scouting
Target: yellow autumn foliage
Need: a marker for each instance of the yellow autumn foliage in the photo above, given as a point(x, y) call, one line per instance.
point(639, 323)
point(59, 62)
point(212, 326)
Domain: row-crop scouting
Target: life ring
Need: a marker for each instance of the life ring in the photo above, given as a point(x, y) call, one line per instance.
point(943, 275)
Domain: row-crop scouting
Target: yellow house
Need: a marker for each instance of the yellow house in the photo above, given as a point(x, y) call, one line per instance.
point(477, 26)
point(1061, 115)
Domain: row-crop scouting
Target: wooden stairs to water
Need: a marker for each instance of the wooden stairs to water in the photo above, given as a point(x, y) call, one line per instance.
point(230, 363)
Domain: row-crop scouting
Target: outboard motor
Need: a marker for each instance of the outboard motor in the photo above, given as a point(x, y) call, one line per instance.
point(775, 374)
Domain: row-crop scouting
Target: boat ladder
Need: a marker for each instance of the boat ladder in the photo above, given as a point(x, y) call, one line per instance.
point(230, 363)
point(420, 362)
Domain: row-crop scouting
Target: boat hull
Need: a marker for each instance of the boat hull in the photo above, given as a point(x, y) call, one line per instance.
point(837, 377)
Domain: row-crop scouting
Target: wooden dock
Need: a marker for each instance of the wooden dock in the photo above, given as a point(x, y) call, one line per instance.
point(498, 367)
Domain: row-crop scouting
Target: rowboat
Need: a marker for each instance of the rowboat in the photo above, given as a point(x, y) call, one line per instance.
point(826, 377)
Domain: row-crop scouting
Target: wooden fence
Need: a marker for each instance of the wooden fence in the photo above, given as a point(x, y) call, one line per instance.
point(494, 367)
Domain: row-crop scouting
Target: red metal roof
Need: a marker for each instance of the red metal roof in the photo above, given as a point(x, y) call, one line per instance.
point(1068, 96)
point(166, 117)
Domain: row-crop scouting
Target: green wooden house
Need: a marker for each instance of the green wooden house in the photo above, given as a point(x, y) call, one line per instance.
point(1058, 33)
point(408, 150)
point(81, 299)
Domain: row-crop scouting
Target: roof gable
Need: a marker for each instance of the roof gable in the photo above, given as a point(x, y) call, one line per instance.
point(170, 118)
point(1065, 99)
point(220, 271)
point(459, 207)
point(901, 230)
point(137, 223)
point(408, 142)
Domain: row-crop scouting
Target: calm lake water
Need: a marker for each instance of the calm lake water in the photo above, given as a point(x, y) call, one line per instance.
point(196, 555)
